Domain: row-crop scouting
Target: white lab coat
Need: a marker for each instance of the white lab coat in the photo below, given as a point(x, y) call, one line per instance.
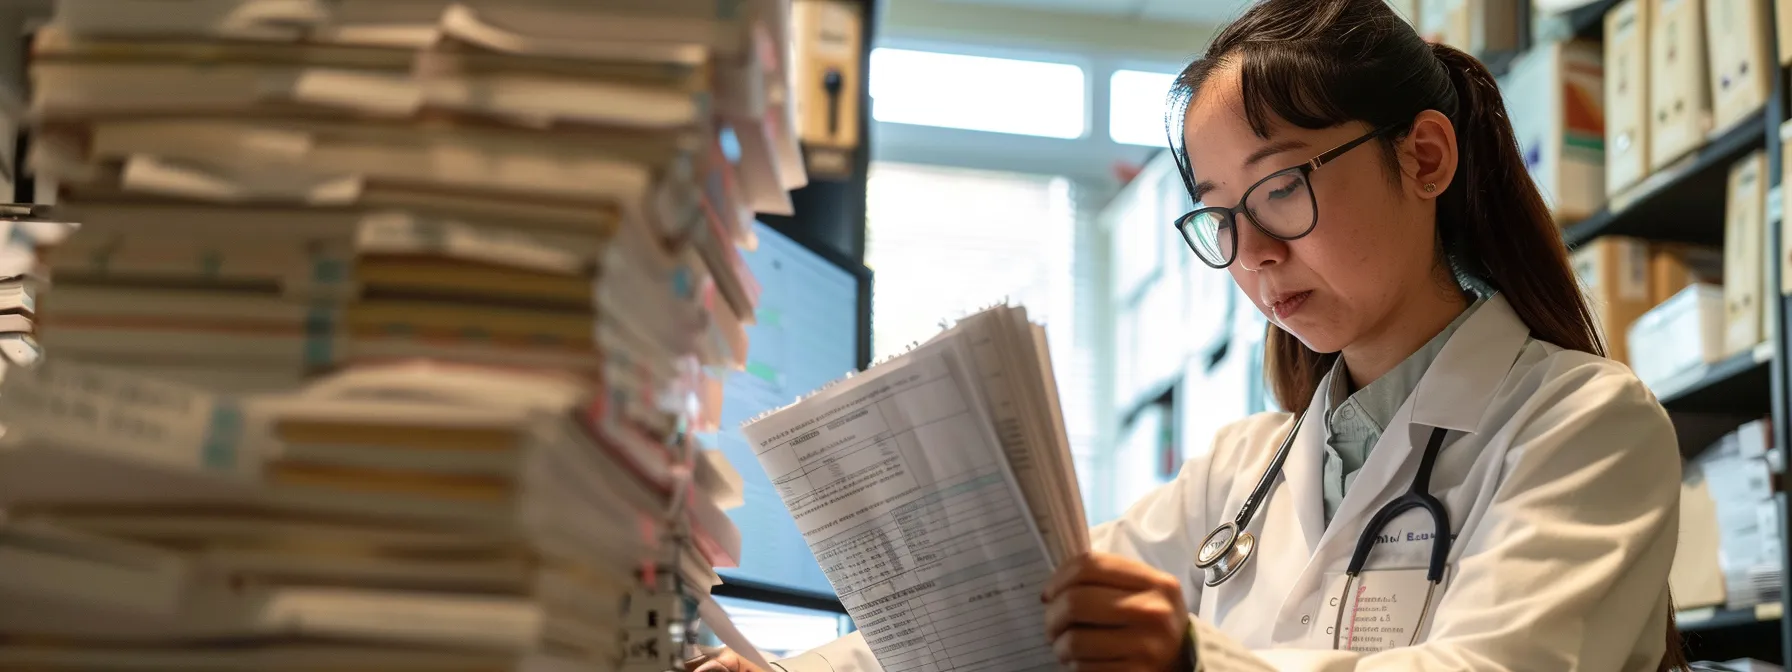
point(1561, 476)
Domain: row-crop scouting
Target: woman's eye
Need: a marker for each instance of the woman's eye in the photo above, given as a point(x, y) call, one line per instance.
point(1286, 189)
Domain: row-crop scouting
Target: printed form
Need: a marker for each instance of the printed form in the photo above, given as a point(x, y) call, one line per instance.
point(898, 483)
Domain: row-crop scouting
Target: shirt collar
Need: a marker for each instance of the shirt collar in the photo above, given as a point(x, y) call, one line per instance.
point(1383, 397)
point(1468, 372)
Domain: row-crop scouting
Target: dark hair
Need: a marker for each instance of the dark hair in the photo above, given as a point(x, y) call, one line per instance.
point(1320, 63)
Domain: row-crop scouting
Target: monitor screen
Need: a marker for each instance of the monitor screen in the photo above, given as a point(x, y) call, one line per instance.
point(806, 335)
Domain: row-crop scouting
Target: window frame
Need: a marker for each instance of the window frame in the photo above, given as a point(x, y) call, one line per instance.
point(1089, 159)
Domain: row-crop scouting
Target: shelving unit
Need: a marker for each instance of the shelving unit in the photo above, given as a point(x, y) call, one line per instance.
point(1709, 619)
point(1675, 203)
point(1737, 385)
point(1586, 21)
point(1683, 203)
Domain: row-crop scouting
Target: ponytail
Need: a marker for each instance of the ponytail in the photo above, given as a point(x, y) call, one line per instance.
point(1492, 223)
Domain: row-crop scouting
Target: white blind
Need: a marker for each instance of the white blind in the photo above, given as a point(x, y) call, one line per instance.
point(945, 242)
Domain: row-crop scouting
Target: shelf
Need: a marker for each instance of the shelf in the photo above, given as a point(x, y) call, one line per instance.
point(1682, 202)
point(1713, 618)
point(1586, 21)
point(1735, 385)
point(1500, 62)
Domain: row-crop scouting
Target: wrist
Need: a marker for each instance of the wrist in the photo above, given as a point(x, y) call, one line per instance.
point(1185, 660)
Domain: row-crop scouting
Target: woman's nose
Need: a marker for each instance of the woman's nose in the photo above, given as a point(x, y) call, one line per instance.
point(1257, 250)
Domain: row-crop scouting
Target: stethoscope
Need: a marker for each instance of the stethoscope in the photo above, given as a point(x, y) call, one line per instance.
point(1228, 547)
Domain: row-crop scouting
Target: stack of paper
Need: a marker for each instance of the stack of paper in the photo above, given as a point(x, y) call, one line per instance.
point(939, 482)
point(385, 330)
point(26, 234)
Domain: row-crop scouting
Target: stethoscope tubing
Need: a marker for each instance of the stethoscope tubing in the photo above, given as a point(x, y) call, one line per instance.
point(1417, 495)
point(1267, 481)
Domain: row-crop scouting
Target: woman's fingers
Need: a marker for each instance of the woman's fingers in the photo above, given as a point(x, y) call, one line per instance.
point(1103, 569)
point(721, 661)
point(1108, 666)
point(1088, 646)
point(1107, 613)
point(1100, 606)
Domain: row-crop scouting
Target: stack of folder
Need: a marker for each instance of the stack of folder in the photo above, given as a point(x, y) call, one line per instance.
point(26, 234)
point(386, 330)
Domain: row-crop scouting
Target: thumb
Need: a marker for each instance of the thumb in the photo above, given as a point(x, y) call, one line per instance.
point(721, 660)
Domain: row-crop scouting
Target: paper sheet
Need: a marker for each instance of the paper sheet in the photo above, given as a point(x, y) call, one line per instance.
point(1014, 408)
point(898, 483)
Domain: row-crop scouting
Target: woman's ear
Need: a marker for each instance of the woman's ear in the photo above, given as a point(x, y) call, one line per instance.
point(1428, 156)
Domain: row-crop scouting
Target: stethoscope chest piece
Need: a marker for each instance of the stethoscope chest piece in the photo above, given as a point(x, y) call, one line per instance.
point(1225, 550)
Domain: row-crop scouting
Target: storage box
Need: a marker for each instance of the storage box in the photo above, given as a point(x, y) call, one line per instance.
point(828, 46)
point(1738, 43)
point(1554, 97)
point(1480, 27)
point(1695, 577)
point(1614, 274)
point(1782, 19)
point(1767, 293)
point(1626, 95)
point(1679, 98)
point(1755, 439)
point(1678, 336)
point(1745, 234)
point(1676, 266)
point(1785, 251)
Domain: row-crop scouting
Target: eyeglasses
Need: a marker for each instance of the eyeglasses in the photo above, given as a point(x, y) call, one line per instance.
point(1281, 205)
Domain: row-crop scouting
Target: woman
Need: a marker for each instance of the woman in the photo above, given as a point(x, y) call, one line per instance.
point(1364, 189)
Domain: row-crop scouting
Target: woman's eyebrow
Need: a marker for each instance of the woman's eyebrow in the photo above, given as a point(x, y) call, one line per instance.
point(1201, 189)
point(1272, 149)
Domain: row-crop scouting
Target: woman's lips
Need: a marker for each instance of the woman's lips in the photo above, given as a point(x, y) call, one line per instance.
point(1290, 304)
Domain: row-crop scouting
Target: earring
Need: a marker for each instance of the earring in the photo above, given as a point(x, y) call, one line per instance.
point(1430, 187)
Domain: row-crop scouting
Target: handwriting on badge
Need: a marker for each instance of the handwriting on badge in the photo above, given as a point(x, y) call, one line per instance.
point(1371, 623)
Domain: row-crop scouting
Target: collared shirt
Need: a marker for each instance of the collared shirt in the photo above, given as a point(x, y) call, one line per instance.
point(1354, 422)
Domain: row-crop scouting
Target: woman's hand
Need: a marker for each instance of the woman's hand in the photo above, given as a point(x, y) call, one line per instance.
point(720, 660)
point(1109, 613)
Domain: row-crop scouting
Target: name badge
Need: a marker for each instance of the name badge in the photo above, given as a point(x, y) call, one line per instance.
point(1383, 609)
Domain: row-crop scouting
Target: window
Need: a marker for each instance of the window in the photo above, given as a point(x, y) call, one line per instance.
point(978, 93)
point(1136, 106)
point(946, 242)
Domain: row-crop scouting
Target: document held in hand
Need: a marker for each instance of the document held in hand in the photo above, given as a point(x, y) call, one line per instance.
point(938, 494)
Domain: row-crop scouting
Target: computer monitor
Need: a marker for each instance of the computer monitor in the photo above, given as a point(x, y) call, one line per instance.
point(807, 333)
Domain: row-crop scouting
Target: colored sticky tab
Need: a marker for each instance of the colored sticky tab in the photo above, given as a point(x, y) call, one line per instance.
point(650, 533)
point(320, 337)
point(223, 435)
point(329, 271)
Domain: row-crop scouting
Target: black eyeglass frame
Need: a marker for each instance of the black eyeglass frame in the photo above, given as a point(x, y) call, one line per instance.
point(1229, 215)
